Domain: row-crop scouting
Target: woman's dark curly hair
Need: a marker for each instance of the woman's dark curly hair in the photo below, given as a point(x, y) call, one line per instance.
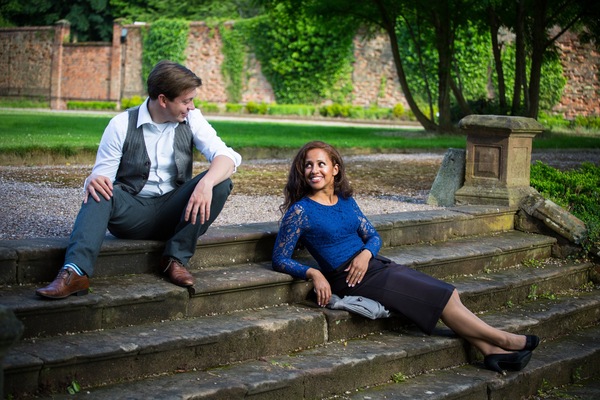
point(297, 186)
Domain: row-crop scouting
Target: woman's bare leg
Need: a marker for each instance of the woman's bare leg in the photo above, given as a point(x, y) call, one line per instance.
point(487, 339)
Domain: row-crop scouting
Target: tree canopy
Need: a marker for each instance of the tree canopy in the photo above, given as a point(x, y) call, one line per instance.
point(91, 20)
point(444, 25)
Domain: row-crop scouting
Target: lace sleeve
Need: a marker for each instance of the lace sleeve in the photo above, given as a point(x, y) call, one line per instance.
point(367, 232)
point(292, 225)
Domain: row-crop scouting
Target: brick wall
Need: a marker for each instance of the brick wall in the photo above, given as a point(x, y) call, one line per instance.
point(25, 61)
point(86, 72)
point(37, 61)
point(374, 75)
point(581, 65)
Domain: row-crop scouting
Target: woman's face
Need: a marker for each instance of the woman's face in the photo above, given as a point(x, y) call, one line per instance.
point(319, 170)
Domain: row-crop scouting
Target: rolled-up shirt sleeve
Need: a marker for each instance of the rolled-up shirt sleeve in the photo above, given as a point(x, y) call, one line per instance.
point(207, 141)
point(110, 149)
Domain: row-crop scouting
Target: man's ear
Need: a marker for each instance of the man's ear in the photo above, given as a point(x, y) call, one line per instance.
point(162, 100)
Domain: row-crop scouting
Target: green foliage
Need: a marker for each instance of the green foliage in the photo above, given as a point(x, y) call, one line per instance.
point(234, 54)
point(234, 108)
point(207, 107)
point(91, 105)
point(474, 59)
point(302, 110)
point(398, 111)
point(578, 191)
point(305, 59)
point(552, 81)
point(419, 59)
point(91, 20)
point(255, 108)
point(551, 121)
point(131, 102)
point(166, 39)
point(589, 122)
point(399, 377)
point(554, 121)
point(337, 110)
point(205, 10)
point(16, 102)
point(74, 387)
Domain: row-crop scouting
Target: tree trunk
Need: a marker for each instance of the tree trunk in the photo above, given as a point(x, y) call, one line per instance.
point(538, 46)
point(389, 27)
point(494, 28)
point(460, 99)
point(444, 42)
point(519, 58)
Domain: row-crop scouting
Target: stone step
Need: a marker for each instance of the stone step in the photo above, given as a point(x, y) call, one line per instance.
point(131, 352)
point(571, 359)
point(142, 298)
point(342, 367)
point(38, 260)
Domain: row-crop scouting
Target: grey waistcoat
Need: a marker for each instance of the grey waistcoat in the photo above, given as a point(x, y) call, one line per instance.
point(134, 167)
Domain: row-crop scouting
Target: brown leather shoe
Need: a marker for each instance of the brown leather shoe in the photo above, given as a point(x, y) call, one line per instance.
point(66, 283)
point(177, 273)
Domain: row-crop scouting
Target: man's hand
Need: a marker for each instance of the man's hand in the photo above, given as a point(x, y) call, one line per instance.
point(199, 203)
point(321, 286)
point(358, 268)
point(96, 185)
point(220, 169)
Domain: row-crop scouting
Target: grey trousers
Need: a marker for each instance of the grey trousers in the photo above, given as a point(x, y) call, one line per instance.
point(131, 217)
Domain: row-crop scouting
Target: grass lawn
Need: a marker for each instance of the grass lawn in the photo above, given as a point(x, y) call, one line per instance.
point(67, 134)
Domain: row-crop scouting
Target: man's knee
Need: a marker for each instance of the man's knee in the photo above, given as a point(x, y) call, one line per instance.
point(223, 189)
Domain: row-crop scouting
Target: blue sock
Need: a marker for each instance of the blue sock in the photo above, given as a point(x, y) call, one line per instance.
point(75, 268)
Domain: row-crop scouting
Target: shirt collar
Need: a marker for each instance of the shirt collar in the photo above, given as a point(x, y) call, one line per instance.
point(144, 115)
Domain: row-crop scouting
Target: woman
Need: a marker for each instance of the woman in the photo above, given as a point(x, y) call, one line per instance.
point(320, 212)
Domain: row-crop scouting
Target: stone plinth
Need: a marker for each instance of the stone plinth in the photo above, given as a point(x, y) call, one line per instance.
point(498, 159)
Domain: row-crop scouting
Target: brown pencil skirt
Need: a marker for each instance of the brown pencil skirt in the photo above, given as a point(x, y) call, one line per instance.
point(400, 289)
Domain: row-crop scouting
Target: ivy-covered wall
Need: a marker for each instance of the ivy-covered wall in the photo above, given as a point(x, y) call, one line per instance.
point(372, 75)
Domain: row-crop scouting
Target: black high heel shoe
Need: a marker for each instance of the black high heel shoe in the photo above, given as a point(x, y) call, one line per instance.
point(531, 342)
point(513, 361)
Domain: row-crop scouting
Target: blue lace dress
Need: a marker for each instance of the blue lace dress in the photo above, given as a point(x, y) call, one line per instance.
point(335, 234)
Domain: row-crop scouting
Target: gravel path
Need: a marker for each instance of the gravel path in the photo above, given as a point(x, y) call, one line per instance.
point(35, 210)
point(30, 210)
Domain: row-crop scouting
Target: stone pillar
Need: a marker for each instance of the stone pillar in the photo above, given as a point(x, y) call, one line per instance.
point(11, 330)
point(118, 40)
point(62, 31)
point(498, 159)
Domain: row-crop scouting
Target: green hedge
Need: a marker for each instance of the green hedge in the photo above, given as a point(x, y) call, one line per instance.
point(578, 191)
point(91, 105)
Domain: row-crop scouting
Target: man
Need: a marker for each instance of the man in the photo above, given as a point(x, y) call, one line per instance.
point(141, 186)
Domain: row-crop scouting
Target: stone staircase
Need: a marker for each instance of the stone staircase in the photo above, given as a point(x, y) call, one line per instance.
point(247, 331)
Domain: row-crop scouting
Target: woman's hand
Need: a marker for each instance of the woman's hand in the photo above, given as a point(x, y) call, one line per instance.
point(358, 268)
point(322, 287)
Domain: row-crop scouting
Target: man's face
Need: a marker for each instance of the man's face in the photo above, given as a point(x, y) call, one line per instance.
point(176, 110)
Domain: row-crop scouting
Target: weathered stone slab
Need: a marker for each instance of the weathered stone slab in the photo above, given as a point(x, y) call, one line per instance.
point(449, 179)
point(554, 217)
